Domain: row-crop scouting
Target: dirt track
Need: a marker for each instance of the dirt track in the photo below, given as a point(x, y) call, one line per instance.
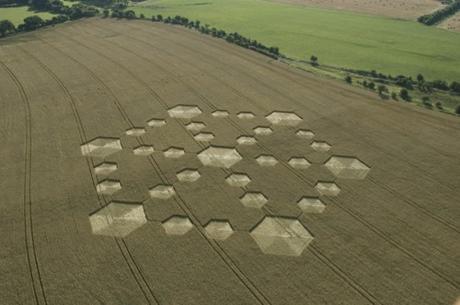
point(390, 238)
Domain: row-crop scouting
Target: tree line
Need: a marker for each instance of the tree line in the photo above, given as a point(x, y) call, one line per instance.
point(408, 82)
point(64, 13)
point(441, 14)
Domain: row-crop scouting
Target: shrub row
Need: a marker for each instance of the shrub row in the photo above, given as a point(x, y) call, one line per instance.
point(440, 14)
point(408, 82)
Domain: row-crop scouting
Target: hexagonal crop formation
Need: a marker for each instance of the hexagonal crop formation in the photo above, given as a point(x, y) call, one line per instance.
point(347, 167)
point(156, 122)
point(108, 187)
point(245, 115)
point(195, 126)
point(299, 163)
point(135, 132)
point(281, 236)
point(188, 175)
point(266, 160)
point(284, 118)
point(174, 152)
point(143, 150)
point(218, 229)
point(219, 157)
point(184, 111)
point(238, 180)
point(320, 146)
point(311, 205)
point(263, 130)
point(220, 114)
point(253, 200)
point(117, 219)
point(177, 225)
point(105, 168)
point(162, 191)
point(305, 134)
point(204, 136)
point(246, 140)
point(327, 188)
point(101, 147)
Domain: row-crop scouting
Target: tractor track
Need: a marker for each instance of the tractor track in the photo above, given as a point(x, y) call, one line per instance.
point(31, 252)
point(131, 263)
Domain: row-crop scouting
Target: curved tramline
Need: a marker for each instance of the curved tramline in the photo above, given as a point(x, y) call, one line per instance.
point(124, 250)
point(32, 259)
point(217, 176)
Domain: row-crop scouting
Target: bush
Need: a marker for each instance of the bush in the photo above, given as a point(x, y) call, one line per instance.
point(394, 96)
point(130, 14)
point(6, 27)
point(32, 23)
point(314, 60)
point(348, 79)
point(382, 89)
point(457, 110)
point(440, 85)
point(404, 94)
point(106, 13)
point(455, 87)
point(426, 102)
point(439, 105)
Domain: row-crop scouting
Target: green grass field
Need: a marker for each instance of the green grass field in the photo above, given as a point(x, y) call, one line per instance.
point(17, 14)
point(337, 37)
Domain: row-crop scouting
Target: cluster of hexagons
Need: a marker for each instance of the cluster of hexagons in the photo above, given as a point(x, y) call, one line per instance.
point(274, 235)
point(180, 225)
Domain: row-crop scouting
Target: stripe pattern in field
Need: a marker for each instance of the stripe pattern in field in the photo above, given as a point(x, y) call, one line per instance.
point(90, 138)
